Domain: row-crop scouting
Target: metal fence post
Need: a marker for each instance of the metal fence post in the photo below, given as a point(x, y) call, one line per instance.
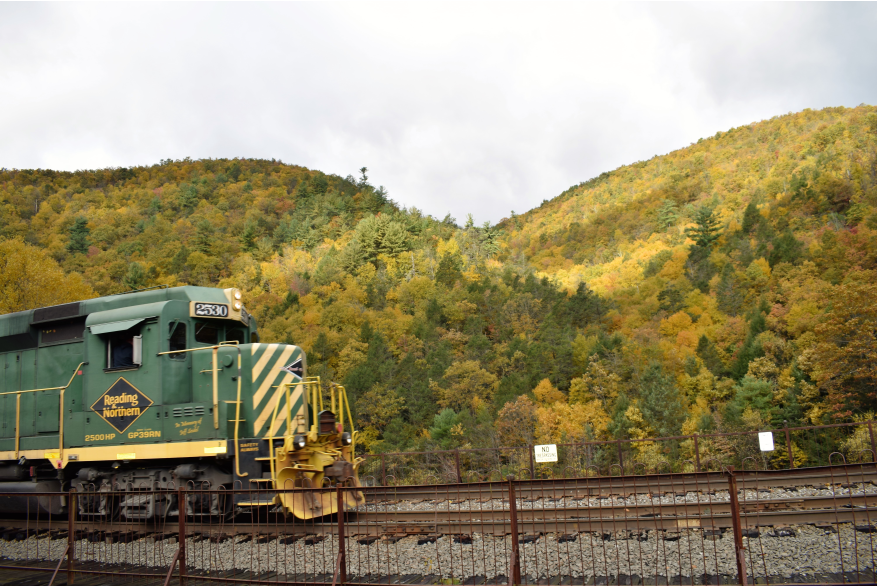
point(696, 453)
point(789, 445)
point(71, 534)
point(341, 568)
point(515, 562)
point(620, 458)
point(457, 462)
point(383, 470)
point(181, 539)
point(532, 464)
point(873, 450)
point(737, 526)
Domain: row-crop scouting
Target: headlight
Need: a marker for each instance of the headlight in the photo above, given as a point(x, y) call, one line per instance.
point(299, 442)
point(346, 439)
point(237, 306)
point(237, 294)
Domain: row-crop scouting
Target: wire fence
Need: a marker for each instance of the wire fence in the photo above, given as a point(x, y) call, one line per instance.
point(810, 446)
point(808, 525)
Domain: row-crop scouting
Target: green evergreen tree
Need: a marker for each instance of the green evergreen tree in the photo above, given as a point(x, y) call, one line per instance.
point(450, 269)
point(786, 249)
point(660, 401)
point(490, 239)
point(668, 214)
point(204, 237)
point(709, 354)
point(178, 263)
point(248, 236)
point(670, 300)
point(285, 231)
point(78, 236)
point(234, 172)
point(751, 218)
point(441, 430)
point(706, 233)
point(729, 297)
point(188, 197)
point(136, 277)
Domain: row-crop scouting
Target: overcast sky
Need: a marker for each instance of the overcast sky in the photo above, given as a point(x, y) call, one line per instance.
point(454, 107)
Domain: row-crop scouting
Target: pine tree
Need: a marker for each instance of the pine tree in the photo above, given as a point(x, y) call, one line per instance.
point(136, 277)
point(204, 237)
point(79, 232)
point(668, 214)
point(751, 218)
point(449, 269)
point(706, 233)
point(248, 237)
point(188, 197)
point(709, 354)
point(234, 172)
point(660, 401)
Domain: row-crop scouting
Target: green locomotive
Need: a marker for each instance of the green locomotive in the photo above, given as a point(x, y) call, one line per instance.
point(164, 388)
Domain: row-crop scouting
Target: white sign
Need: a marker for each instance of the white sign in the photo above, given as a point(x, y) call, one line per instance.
point(765, 441)
point(546, 453)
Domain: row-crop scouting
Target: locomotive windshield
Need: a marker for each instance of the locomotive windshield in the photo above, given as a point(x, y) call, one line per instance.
point(207, 333)
point(214, 332)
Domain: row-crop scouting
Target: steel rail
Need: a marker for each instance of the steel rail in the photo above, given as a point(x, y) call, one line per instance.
point(816, 509)
point(667, 483)
point(497, 523)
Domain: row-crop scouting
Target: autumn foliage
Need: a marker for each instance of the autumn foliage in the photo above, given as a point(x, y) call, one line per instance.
point(728, 285)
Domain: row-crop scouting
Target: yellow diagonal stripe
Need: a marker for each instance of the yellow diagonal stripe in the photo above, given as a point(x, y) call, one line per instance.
point(294, 394)
point(269, 407)
point(254, 348)
point(269, 379)
point(263, 360)
point(280, 419)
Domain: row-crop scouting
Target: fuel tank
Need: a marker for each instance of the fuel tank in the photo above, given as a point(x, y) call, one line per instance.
point(23, 497)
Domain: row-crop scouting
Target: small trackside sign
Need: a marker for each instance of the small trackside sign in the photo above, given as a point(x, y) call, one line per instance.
point(765, 441)
point(545, 453)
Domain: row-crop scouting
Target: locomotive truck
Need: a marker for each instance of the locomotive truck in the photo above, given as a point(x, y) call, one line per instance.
point(165, 388)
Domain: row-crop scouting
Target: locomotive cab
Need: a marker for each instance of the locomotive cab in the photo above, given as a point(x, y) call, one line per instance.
point(158, 388)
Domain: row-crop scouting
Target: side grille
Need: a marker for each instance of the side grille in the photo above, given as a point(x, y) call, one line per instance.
point(188, 411)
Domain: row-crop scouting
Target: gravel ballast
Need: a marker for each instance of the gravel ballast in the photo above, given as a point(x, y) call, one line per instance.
point(798, 552)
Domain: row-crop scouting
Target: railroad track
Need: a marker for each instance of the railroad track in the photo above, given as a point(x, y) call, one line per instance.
point(662, 502)
point(496, 520)
point(667, 483)
point(598, 530)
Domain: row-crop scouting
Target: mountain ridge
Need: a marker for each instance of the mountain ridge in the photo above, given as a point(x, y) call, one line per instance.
point(722, 286)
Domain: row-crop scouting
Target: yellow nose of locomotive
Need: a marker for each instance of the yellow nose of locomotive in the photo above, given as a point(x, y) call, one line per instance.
point(309, 430)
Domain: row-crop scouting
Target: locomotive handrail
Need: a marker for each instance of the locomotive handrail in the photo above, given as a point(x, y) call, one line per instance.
point(215, 370)
point(60, 410)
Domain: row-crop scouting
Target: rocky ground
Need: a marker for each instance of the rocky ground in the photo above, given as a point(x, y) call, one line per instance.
point(803, 553)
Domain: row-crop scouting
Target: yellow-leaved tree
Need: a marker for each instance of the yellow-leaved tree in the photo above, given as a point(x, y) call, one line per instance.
point(30, 278)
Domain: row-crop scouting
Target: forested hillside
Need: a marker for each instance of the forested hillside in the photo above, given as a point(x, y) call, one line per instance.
point(728, 285)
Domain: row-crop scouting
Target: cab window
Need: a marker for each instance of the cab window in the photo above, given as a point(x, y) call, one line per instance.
point(177, 339)
point(206, 333)
point(125, 350)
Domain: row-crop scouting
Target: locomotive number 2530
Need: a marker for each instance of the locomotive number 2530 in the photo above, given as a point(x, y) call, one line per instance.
point(218, 310)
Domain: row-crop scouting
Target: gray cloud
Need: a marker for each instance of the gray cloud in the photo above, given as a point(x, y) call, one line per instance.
point(480, 108)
